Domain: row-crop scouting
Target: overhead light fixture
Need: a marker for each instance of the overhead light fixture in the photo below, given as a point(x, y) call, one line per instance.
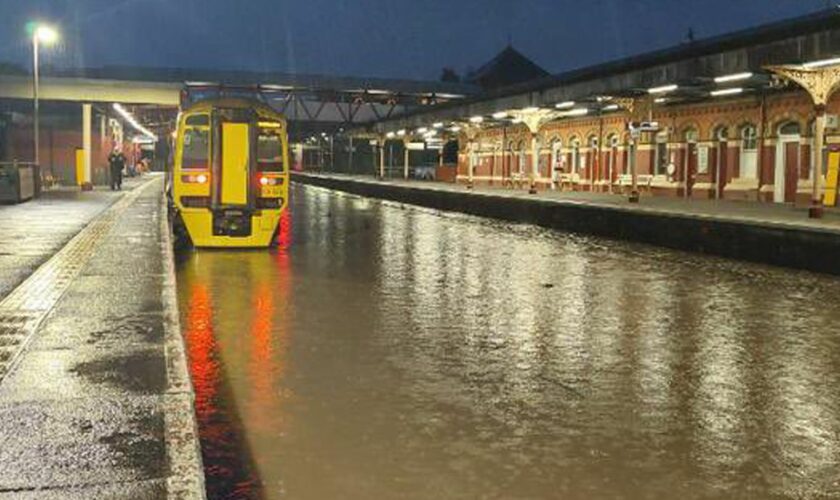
point(822, 62)
point(500, 115)
point(517, 120)
point(390, 135)
point(422, 130)
point(401, 132)
point(134, 123)
point(732, 91)
point(477, 119)
point(531, 109)
point(576, 112)
point(45, 34)
point(610, 107)
point(438, 125)
point(565, 105)
point(663, 89)
point(660, 100)
point(456, 128)
point(733, 77)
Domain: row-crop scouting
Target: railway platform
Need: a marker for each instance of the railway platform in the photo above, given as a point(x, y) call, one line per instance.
point(95, 397)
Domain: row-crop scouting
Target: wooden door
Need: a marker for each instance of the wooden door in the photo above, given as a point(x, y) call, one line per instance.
point(791, 170)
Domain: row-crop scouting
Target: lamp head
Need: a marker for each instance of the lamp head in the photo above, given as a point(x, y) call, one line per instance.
point(45, 34)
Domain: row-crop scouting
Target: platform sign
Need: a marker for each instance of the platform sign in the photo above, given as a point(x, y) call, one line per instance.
point(702, 159)
point(830, 199)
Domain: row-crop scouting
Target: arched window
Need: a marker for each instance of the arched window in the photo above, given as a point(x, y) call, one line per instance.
point(749, 138)
point(691, 135)
point(662, 158)
point(556, 154)
point(789, 128)
point(612, 143)
point(575, 155)
point(749, 152)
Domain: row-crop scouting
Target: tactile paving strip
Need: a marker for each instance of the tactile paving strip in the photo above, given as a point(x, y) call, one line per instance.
point(23, 310)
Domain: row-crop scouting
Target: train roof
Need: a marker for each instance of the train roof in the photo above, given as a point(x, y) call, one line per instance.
point(262, 109)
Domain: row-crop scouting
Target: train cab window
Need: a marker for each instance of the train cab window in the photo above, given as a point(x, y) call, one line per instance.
point(269, 153)
point(196, 148)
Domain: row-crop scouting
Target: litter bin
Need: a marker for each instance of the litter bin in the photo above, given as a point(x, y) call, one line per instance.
point(18, 182)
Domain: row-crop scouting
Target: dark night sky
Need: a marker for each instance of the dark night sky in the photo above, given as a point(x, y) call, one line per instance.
point(386, 38)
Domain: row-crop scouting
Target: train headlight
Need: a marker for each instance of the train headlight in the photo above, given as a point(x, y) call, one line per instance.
point(264, 181)
point(195, 179)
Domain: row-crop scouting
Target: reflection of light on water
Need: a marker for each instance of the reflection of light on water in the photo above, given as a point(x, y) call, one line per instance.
point(719, 402)
point(804, 424)
point(201, 350)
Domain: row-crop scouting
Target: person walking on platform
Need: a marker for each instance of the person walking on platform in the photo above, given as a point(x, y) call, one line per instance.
point(116, 162)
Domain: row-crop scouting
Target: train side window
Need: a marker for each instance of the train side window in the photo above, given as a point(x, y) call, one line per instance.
point(196, 148)
point(198, 120)
point(269, 153)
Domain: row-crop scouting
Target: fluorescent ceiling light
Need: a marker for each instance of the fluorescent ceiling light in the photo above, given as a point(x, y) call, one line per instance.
point(438, 125)
point(499, 115)
point(576, 112)
point(134, 123)
point(477, 119)
point(733, 77)
point(564, 105)
point(531, 109)
point(716, 93)
point(611, 107)
point(822, 62)
point(663, 89)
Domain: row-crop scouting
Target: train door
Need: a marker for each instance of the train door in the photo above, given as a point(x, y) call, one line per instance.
point(235, 161)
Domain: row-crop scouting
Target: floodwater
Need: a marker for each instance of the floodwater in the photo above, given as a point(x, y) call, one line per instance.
point(387, 351)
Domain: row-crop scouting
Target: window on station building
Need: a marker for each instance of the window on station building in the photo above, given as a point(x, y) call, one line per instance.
point(789, 128)
point(749, 138)
point(749, 152)
point(556, 154)
point(661, 154)
point(575, 155)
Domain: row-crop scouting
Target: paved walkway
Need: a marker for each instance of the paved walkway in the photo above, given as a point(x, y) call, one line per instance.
point(774, 214)
point(32, 232)
point(95, 400)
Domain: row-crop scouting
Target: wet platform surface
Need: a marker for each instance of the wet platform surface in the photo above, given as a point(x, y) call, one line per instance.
point(85, 389)
point(33, 231)
point(387, 351)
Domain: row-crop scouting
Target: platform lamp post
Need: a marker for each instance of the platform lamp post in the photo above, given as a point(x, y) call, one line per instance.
point(41, 33)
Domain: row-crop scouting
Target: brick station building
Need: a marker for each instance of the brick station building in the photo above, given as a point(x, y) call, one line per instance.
point(728, 126)
point(761, 145)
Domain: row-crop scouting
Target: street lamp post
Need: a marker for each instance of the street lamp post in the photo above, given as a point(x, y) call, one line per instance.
point(47, 35)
